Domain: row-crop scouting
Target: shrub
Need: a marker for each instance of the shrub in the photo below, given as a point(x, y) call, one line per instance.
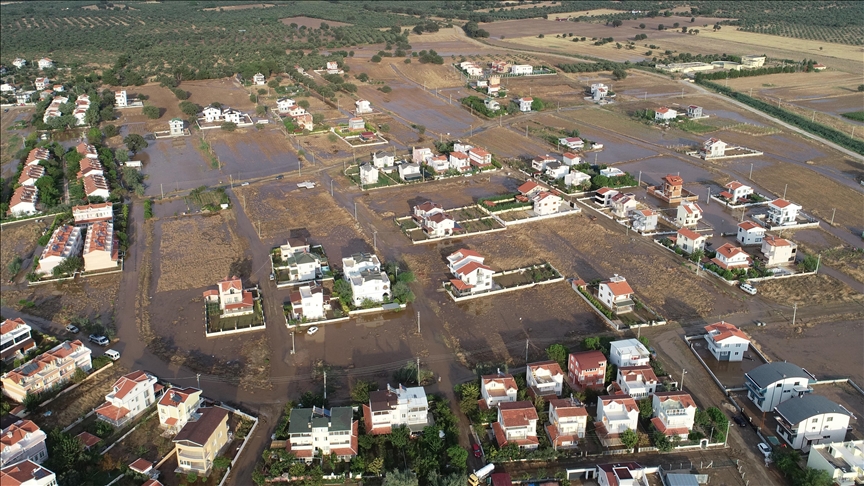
point(385, 88)
point(151, 112)
point(228, 126)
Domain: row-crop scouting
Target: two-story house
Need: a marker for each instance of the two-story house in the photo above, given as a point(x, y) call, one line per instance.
point(674, 413)
point(615, 414)
point(55, 367)
point(259, 79)
point(525, 103)
point(439, 225)
point(176, 126)
point(460, 161)
point(530, 189)
point(309, 302)
point(22, 441)
point(621, 474)
point(471, 274)
point(556, 170)
point(616, 295)
point(540, 162)
point(811, 419)
point(694, 111)
point(27, 473)
point(409, 171)
point(368, 281)
point(498, 388)
point(843, 461)
point(301, 263)
point(231, 298)
point(689, 213)
point(750, 233)
point(101, 248)
point(567, 422)
point(30, 174)
point(362, 106)
point(628, 352)
point(726, 342)
point(713, 147)
point(479, 158)
point(284, 104)
point(782, 212)
point(690, 241)
point(201, 440)
point(586, 369)
point(368, 174)
point(394, 407)
point(623, 203)
point(356, 124)
point(664, 114)
point(735, 191)
point(730, 257)
point(544, 379)
point(637, 381)
point(545, 203)
point(576, 177)
point(120, 99)
point(316, 430)
point(383, 160)
point(778, 251)
point(517, 424)
point(771, 384)
point(604, 195)
point(643, 220)
point(130, 395)
point(177, 406)
point(15, 339)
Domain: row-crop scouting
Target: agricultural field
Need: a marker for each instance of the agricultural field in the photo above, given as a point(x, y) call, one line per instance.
point(252, 153)
point(19, 241)
point(310, 22)
point(239, 7)
point(507, 142)
point(412, 104)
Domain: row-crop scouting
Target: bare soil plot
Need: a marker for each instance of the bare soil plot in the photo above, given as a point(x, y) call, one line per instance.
point(813, 289)
point(550, 89)
point(510, 143)
point(433, 75)
point(224, 90)
point(67, 407)
point(197, 251)
point(19, 240)
point(159, 97)
point(146, 442)
point(555, 45)
point(252, 153)
point(310, 22)
point(414, 105)
point(92, 297)
point(176, 164)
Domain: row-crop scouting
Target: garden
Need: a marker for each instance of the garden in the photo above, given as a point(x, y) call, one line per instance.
point(215, 322)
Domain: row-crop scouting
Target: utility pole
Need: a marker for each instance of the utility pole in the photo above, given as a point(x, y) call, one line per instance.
point(751, 171)
point(259, 228)
point(163, 190)
point(526, 350)
point(784, 190)
point(418, 371)
point(794, 312)
point(325, 384)
point(833, 212)
point(683, 372)
point(355, 210)
point(244, 201)
point(375, 240)
point(640, 179)
point(708, 199)
point(198, 377)
point(818, 262)
point(331, 187)
point(292, 343)
point(418, 323)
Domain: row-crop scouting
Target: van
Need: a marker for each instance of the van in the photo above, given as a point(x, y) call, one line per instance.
point(748, 288)
point(113, 355)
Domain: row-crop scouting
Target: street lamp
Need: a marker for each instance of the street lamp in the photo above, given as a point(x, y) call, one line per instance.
point(683, 372)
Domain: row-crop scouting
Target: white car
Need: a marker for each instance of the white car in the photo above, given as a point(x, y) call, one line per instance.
point(312, 330)
point(765, 449)
point(748, 288)
point(113, 355)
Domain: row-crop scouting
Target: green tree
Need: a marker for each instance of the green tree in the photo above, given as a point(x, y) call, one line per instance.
point(661, 442)
point(360, 392)
point(14, 266)
point(619, 73)
point(31, 402)
point(94, 135)
point(111, 131)
point(646, 408)
point(814, 477)
point(192, 477)
point(399, 436)
point(228, 126)
point(221, 462)
point(376, 58)
point(376, 466)
point(303, 104)
point(135, 143)
point(189, 109)
point(121, 155)
point(558, 353)
point(591, 343)
point(641, 26)
point(260, 110)
point(151, 112)
point(458, 457)
point(629, 438)
point(400, 478)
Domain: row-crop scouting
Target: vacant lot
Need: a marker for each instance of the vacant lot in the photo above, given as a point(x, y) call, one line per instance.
point(510, 142)
point(550, 89)
point(414, 105)
point(239, 7)
point(197, 251)
point(309, 22)
point(174, 164)
point(19, 240)
point(432, 75)
point(92, 297)
point(252, 153)
point(812, 289)
point(66, 408)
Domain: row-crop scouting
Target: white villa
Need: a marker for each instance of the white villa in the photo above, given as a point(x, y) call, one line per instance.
point(689, 213)
point(368, 281)
point(782, 212)
point(811, 419)
point(713, 147)
point(368, 174)
point(544, 379)
point(771, 384)
point(232, 299)
point(750, 233)
point(471, 274)
point(546, 203)
point(382, 160)
point(65, 242)
point(628, 352)
point(637, 381)
point(130, 395)
point(568, 420)
point(499, 388)
point(843, 461)
point(308, 302)
point(778, 251)
point(120, 100)
point(517, 424)
point(615, 414)
point(674, 413)
point(303, 265)
point(525, 103)
point(362, 106)
point(735, 191)
point(643, 220)
point(726, 342)
point(394, 407)
point(616, 295)
point(690, 241)
point(665, 114)
point(22, 440)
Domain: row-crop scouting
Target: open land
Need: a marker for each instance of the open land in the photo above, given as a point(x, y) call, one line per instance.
point(68, 407)
point(310, 22)
point(19, 240)
point(93, 297)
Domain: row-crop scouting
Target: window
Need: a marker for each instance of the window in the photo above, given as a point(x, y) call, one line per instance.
point(829, 419)
point(814, 420)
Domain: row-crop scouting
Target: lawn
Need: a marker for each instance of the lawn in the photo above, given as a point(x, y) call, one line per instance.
point(217, 323)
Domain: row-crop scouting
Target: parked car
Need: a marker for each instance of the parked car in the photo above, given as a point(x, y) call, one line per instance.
point(739, 420)
point(100, 340)
point(272, 276)
point(245, 184)
point(477, 452)
point(748, 288)
point(113, 355)
point(280, 177)
point(72, 329)
point(765, 449)
point(312, 330)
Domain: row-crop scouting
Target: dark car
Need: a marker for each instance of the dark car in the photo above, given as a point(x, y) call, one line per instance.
point(740, 421)
point(279, 177)
point(477, 452)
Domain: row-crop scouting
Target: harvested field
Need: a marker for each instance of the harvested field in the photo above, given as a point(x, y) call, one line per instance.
point(812, 289)
point(551, 89)
point(256, 373)
point(553, 45)
point(251, 153)
point(225, 91)
point(197, 251)
point(509, 143)
point(67, 407)
point(310, 22)
point(19, 240)
point(92, 297)
point(411, 103)
point(842, 258)
point(433, 75)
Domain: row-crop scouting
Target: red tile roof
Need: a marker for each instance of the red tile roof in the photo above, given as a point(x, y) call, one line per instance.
point(17, 432)
point(459, 155)
point(506, 380)
point(638, 373)
point(566, 407)
point(93, 183)
point(728, 250)
point(683, 398)
point(688, 233)
point(528, 187)
point(22, 473)
point(127, 383)
point(673, 180)
point(87, 439)
point(111, 412)
point(724, 330)
point(626, 400)
point(772, 240)
point(31, 172)
point(460, 285)
point(10, 325)
point(589, 360)
point(668, 431)
point(619, 288)
point(733, 185)
point(142, 466)
point(779, 203)
point(230, 283)
point(748, 225)
point(470, 267)
point(24, 194)
point(517, 414)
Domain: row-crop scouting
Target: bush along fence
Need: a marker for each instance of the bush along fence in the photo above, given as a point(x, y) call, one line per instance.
point(539, 274)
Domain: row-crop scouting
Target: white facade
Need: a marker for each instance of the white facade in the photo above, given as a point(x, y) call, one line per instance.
point(259, 79)
point(689, 213)
point(368, 174)
point(569, 158)
point(382, 160)
point(599, 91)
point(738, 191)
point(617, 295)
point(45, 63)
point(23, 441)
point(491, 104)
point(363, 272)
point(459, 161)
point(576, 178)
point(517, 424)
point(811, 419)
point(521, 69)
point(470, 272)
point(525, 104)
point(617, 413)
point(539, 163)
point(100, 247)
point(604, 195)
point(730, 256)
point(308, 302)
point(177, 406)
point(19, 63)
point(674, 413)
point(397, 406)
point(568, 418)
point(498, 388)
point(479, 157)
point(556, 170)
point(665, 114)
point(713, 147)
point(782, 212)
point(622, 204)
point(637, 381)
point(15, 339)
point(284, 104)
point(753, 61)
point(362, 106)
point(175, 126)
point(546, 203)
point(27, 473)
point(726, 342)
point(778, 251)
point(231, 297)
point(409, 171)
point(612, 172)
point(843, 461)
point(628, 352)
point(56, 366)
point(545, 378)
point(750, 233)
point(120, 100)
point(575, 143)
point(212, 114)
point(772, 384)
point(643, 220)
point(64, 243)
point(690, 241)
point(421, 155)
point(129, 397)
point(315, 430)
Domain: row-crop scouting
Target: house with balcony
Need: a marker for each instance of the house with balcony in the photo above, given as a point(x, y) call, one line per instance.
point(460, 161)
point(53, 368)
point(395, 407)
point(383, 160)
point(30, 174)
point(498, 388)
point(27, 473)
point(96, 185)
point(201, 440)
point(517, 424)
point(362, 106)
point(309, 302)
point(689, 213)
point(283, 105)
point(259, 79)
point(546, 203)
point(92, 213)
point(101, 248)
point(65, 242)
point(15, 339)
point(368, 174)
point(363, 272)
point(409, 171)
point(231, 298)
point(544, 379)
point(637, 381)
point(576, 178)
point(573, 143)
point(643, 220)
point(540, 162)
point(356, 124)
point(604, 195)
point(750, 233)
point(694, 111)
point(568, 420)
point(556, 170)
point(23, 201)
point(599, 91)
point(713, 147)
point(771, 384)
point(674, 413)
point(130, 395)
point(586, 369)
point(811, 419)
point(177, 406)
point(305, 121)
point(22, 441)
point(615, 414)
point(302, 264)
point(525, 103)
point(628, 352)
point(730, 257)
point(621, 474)
point(672, 190)
point(689, 241)
point(318, 431)
point(782, 212)
point(843, 461)
point(479, 158)
point(726, 342)
point(471, 274)
point(778, 251)
point(439, 225)
point(664, 114)
point(735, 192)
point(622, 203)
point(616, 295)
point(494, 87)
point(571, 159)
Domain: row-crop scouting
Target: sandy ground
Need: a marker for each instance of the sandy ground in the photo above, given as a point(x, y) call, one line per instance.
point(813, 289)
point(19, 240)
point(93, 297)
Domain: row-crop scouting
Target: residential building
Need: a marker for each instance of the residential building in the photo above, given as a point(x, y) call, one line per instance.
point(525, 103)
point(556, 170)
point(438, 224)
point(65, 242)
point(713, 147)
point(628, 352)
point(568, 420)
point(53, 109)
point(421, 155)
point(586, 369)
point(232, 299)
point(15, 339)
point(460, 161)
point(843, 461)
point(604, 195)
point(92, 213)
point(363, 272)
point(101, 249)
point(726, 342)
point(314, 431)
point(7, 88)
point(176, 126)
point(782, 212)
point(460, 146)
point(730, 257)
point(544, 379)
point(23, 201)
point(90, 166)
point(612, 172)
point(259, 79)
point(571, 159)
point(409, 171)
point(30, 174)
point(37, 155)
point(22, 441)
point(303, 265)
point(95, 185)
point(212, 114)
point(694, 111)
point(42, 84)
point(494, 86)
point(622, 204)
point(479, 158)
point(332, 67)
point(576, 178)
point(356, 123)
point(368, 174)
point(778, 251)
point(689, 213)
point(521, 69)
point(672, 189)
point(362, 106)
point(19, 63)
point(120, 100)
point(771, 384)
point(665, 114)
point(382, 160)
point(24, 96)
point(308, 302)
point(394, 407)
point(626, 474)
point(674, 413)
point(599, 91)
point(201, 440)
point(304, 121)
point(471, 274)
point(637, 381)
point(690, 241)
point(574, 143)
point(517, 424)
point(811, 419)
point(616, 294)
point(530, 189)
point(753, 61)
point(750, 233)
point(52, 368)
point(295, 110)
point(498, 388)
point(283, 105)
point(130, 395)
point(27, 473)
point(735, 192)
point(541, 162)
point(643, 220)
point(230, 115)
point(177, 406)
point(615, 414)
point(82, 104)
point(491, 104)
point(500, 66)
point(546, 203)
point(471, 68)
point(439, 164)
point(45, 63)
